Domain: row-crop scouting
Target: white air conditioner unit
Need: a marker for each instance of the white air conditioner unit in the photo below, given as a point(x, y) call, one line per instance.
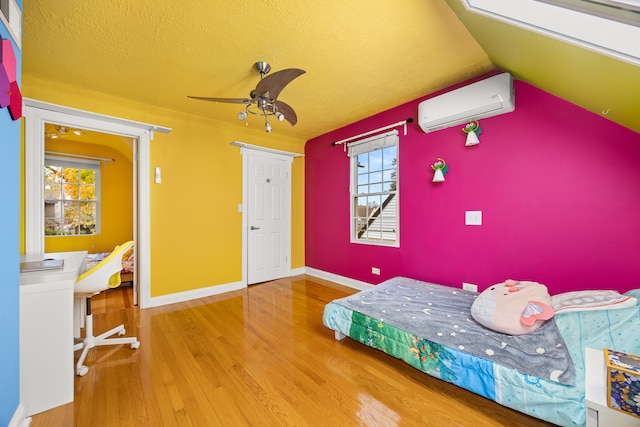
point(486, 98)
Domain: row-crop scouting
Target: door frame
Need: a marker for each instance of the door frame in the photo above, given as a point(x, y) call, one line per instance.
point(37, 113)
point(249, 149)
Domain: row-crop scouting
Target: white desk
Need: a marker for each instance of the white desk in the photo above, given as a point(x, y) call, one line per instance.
point(598, 413)
point(46, 332)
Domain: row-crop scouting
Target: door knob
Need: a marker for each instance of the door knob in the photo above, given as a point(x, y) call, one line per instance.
point(254, 228)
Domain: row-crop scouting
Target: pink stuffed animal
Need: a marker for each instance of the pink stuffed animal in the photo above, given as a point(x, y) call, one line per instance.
point(513, 307)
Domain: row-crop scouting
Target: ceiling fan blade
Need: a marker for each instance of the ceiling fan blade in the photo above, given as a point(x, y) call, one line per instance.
point(229, 100)
point(287, 112)
point(274, 83)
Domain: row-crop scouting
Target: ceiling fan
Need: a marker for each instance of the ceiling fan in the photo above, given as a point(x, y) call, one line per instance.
point(263, 99)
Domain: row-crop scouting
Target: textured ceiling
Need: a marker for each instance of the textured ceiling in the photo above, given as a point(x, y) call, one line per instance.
point(360, 57)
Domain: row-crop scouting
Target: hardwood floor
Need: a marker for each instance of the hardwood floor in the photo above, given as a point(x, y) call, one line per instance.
point(256, 357)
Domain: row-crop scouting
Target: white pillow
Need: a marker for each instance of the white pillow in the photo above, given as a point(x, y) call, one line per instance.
point(591, 300)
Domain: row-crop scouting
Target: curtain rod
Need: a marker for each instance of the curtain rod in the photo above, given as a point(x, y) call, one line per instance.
point(351, 138)
point(80, 156)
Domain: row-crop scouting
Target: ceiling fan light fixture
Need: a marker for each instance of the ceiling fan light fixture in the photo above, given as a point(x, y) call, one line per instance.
point(263, 99)
point(63, 132)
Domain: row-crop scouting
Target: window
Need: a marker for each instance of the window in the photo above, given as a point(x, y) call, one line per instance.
point(11, 17)
point(4, 8)
point(624, 11)
point(374, 190)
point(71, 196)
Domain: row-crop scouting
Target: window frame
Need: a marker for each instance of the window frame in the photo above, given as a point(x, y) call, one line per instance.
point(368, 145)
point(68, 162)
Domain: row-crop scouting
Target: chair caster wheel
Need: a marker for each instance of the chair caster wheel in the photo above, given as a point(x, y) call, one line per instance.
point(135, 345)
point(82, 371)
point(122, 332)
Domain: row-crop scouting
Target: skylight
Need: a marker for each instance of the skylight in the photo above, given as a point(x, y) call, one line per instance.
point(610, 27)
point(624, 11)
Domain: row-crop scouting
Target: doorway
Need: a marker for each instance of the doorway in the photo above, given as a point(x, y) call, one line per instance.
point(266, 213)
point(89, 194)
point(37, 114)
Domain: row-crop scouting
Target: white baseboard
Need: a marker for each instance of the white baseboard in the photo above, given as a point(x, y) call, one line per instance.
point(228, 287)
point(298, 271)
point(341, 280)
point(196, 293)
point(19, 419)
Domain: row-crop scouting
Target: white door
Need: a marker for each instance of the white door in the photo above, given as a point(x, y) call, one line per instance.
point(268, 223)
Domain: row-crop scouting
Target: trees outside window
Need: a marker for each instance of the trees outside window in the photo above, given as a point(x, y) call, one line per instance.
point(71, 197)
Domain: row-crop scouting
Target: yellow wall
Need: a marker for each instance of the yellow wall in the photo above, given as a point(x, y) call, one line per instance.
point(195, 224)
point(116, 200)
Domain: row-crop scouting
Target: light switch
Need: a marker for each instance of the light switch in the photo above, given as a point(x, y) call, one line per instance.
point(473, 218)
point(158, 177)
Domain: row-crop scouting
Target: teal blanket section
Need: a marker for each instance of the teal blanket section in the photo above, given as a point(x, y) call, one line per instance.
point(564, 405)
point(337, 317)
point(560, 404)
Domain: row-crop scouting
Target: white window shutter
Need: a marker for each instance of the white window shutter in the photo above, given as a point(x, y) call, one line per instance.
point(373, 143)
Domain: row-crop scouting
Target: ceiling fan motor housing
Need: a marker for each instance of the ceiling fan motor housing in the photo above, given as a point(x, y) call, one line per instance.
point(262, 67)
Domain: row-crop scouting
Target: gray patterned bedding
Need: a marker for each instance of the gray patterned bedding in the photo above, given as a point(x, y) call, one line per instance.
point(443, 314)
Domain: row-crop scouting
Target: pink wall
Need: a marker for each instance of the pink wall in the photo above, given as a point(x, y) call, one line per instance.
point(558, 187)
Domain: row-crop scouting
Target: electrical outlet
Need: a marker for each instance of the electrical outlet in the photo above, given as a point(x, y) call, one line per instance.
point(375, 270)
point(469, 287)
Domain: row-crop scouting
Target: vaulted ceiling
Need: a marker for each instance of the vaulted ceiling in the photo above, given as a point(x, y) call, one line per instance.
point(360, 58)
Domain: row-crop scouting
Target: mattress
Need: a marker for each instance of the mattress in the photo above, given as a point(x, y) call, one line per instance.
point(557, 398)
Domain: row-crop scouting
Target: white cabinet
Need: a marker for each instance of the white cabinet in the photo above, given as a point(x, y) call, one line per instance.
point(46, 333)
point(598, 413)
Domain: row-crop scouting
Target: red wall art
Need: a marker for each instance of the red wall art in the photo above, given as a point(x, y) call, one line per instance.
point(10, 95)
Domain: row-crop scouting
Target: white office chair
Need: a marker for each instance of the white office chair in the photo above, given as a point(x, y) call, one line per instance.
point(104, 275)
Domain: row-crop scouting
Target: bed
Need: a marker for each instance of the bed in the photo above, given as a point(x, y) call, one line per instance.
point(430, 327)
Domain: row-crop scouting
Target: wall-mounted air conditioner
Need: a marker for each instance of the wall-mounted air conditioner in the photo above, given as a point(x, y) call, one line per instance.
point(485, 98)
